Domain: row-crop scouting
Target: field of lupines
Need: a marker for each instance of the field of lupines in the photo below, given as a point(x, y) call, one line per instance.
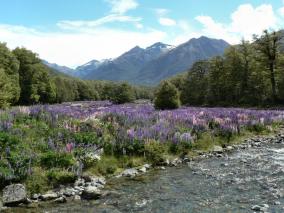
point(50, 145)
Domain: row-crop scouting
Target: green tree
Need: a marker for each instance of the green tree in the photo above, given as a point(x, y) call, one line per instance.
point(6, 90)
point(268, 45)
point(10, 65)
point(167, 96)
point(196, 84)
point(123, 93)
point(35, 81)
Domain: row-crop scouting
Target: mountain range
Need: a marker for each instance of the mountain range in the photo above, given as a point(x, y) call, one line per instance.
point(150, 65)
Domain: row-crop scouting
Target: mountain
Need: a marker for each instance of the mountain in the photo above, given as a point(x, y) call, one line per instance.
point(150, 65)
point(180, 59)
point(62, 69)
point(127, 66)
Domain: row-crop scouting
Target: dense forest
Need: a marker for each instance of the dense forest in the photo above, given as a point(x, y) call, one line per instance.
point(25, 80)
point(248, 74)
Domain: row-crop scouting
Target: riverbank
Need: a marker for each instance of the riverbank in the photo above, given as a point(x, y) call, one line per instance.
point(93, 188)
point(49, 148)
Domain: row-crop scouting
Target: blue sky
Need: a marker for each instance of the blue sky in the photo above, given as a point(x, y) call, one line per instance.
point(72, 32)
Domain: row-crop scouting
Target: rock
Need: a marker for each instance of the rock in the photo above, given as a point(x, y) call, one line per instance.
point(98, 180)
point(142, 169)
point(262, 207)
point(224, 164)
point(77, 198)
point(162, 168)
point(14, 194)
point(3, 209)
point(60, 200)
point(91, 192)
point(35, 196)
point(79, 182)
point(147, 166)
point(186, 160)
point(167, 162)
point(130, 173)
point(49, 196)
point(68, 192)
point(229, 148)
point(176, 161)
point(277, 203)
point(256, 208)
point(219, 155)
point(217, 149)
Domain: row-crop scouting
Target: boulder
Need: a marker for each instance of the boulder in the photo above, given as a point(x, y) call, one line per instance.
point(77, 198)
point(49, 196)
point(142, 169)
point(60, 200)
point(176, 161)
point(91, 192)
point(14, 194)
point(79, 182)
point(217, 149)
point(130, 172)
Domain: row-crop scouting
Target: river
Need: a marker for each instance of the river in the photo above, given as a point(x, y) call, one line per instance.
point(232, 183)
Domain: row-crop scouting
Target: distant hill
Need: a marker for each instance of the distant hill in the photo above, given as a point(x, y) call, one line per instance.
point(180, 59)
point(150, 65)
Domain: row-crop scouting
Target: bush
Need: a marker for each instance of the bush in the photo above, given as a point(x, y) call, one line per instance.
point(123, 93)
point(154, 152)
point(167, 96)
point(58, 176)
point(56, 160)
point(37, 182)
point(107, 165)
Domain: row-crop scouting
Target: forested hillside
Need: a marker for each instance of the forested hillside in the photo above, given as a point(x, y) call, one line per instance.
point(249, 74)
point(25, 80)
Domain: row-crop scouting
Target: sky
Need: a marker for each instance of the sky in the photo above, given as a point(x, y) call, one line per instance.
point(73, 32)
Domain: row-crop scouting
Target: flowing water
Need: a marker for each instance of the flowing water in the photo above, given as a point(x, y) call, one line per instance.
point(232, 183)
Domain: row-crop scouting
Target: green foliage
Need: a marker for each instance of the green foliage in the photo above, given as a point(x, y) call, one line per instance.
point(56, 160)
point(123, 93)
point(9, 77)
point(154, 152)
point(167, 96)
point(35, 81)
point(37, 182)
point(249, 74)
point(59, 176)
point(6, 90)
point(107, 165)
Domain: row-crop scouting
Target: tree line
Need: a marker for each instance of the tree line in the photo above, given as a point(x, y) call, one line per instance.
point(25, 80)
point(248, 74)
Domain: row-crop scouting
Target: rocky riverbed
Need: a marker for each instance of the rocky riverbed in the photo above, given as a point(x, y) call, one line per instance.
point(242, 178)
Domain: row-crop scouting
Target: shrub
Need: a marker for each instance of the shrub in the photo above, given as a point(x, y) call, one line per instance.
point(56, 160)
point(123, 93)
point(107, 165)
point(167, 96)
point(154, 152)
point(58, 176)
point(37, 182)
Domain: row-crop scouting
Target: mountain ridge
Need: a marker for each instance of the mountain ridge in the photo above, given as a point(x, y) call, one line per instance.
point(150, 65)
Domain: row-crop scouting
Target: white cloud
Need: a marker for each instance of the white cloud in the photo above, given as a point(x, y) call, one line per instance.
point(167, 22)
point(95, 23)
point(245, 22)
point(76, 48)
point(122, 6)
point(248, 20)
point(162, 12)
